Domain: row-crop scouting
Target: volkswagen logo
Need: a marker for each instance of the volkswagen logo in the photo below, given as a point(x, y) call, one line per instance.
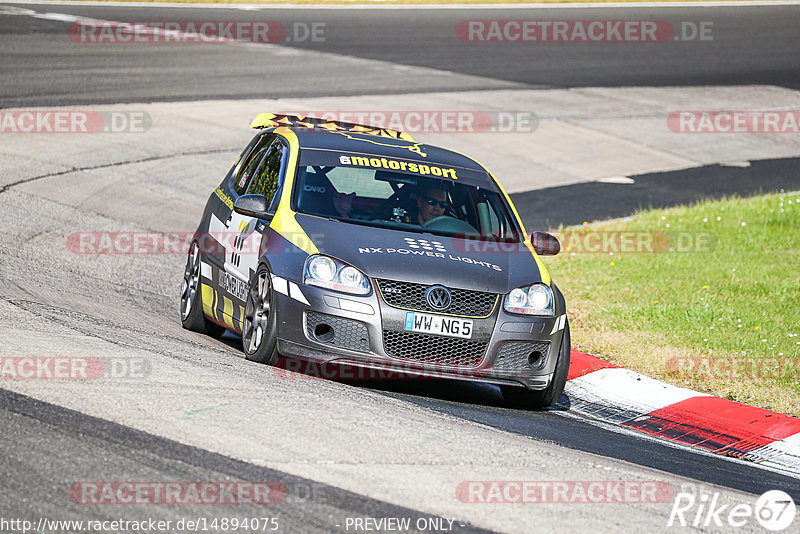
point(438, 298)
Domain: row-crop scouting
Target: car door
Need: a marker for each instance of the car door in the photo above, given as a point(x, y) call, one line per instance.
point(244, 233)
point(234, 185)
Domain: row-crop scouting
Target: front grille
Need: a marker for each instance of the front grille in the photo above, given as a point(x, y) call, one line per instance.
point(436, 350)
point(347, 334)
point(513, 355)
point(411, 296)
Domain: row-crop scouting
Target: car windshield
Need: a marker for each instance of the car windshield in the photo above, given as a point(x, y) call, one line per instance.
point(430, 198)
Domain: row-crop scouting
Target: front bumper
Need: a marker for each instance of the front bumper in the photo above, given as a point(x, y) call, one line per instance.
point(364, 332)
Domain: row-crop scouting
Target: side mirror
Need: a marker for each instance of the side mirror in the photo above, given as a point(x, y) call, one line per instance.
point(253, 206)
point(545, 244)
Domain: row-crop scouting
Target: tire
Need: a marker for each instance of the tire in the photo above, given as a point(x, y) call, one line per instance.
point(537, 400)
point(192, 316)
point(259, 339)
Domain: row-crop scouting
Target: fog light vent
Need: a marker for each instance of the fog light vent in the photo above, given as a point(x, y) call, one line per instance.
point(337, 331)
point(522, 355)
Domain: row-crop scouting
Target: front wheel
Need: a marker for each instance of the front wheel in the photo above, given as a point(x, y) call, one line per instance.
point(537, 400)
point(260, 324)
point(192, 317)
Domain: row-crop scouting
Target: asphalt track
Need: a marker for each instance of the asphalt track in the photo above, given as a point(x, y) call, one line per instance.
point(484, 405)
point(45, 431)
point(41, 66)
point(53, 437)
point(570, 205)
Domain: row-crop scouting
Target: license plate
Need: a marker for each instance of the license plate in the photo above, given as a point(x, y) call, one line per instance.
point(436, 324)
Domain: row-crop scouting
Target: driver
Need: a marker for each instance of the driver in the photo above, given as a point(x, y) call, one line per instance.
point(431, 203)
point(343, 204)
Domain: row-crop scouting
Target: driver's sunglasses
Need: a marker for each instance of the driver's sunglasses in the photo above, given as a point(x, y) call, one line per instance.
point(434, 201)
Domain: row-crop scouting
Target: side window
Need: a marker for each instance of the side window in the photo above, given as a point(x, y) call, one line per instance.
point(269, 175)
point(248, 169)
point(500, 219)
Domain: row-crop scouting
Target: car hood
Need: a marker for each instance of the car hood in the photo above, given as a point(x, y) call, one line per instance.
point(422, 257)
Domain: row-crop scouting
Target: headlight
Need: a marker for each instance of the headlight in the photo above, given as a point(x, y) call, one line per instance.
point(516, 299)
point(539, 297)
point(326, 272)
point(322, 269)
point(536, 299)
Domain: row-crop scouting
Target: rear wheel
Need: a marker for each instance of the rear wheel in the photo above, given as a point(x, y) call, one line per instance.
point(260, 323)
point(525, 398)
point(192, 317)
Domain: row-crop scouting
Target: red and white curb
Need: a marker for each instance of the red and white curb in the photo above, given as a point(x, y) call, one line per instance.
point(622, 397)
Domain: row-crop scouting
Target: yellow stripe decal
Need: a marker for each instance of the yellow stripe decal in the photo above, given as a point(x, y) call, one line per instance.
point(241, 318)
point(273, 120)
point(207, 294)
point(542, 268)
point(545, 275)
point(286, 225)
point(291, 166)
point(216, 305)
point(227, 312)
point(284, 222)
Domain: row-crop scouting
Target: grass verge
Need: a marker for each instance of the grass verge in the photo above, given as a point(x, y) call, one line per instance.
point(706, 296)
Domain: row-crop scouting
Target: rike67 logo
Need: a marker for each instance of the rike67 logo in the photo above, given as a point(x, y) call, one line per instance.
point(774, 511)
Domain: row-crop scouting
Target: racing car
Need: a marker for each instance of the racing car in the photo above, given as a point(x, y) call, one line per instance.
point(356, 245)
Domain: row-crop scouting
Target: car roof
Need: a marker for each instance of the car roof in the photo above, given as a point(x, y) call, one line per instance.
point(366, 144)
point(355, 138)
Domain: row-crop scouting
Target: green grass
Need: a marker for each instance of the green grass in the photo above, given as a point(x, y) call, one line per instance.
point(738, 299)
